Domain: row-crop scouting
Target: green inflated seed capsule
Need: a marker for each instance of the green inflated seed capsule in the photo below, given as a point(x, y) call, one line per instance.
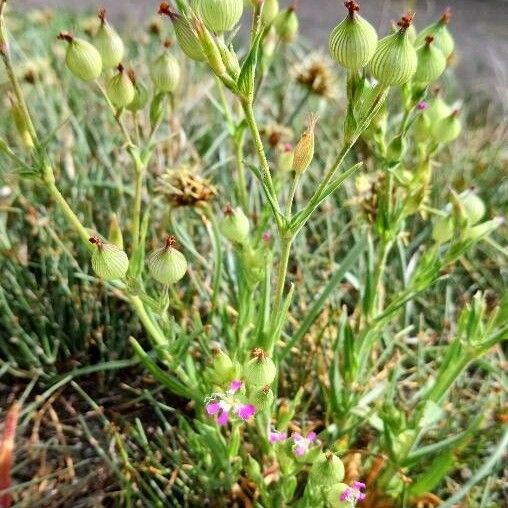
point(259, 370)
point(140, 93)
point(448, 129)
point(474, 207)
point(270, 11)
point(108, 261)
point(187, 39)
point(421, 128)
point(82, 58)
point(438, 109)
point(262, 398)
point(120, 89)
point(167, 264)
point(235, 225)
point(286, 25)
point(431, 63)
point(222, 365)
point(108, 43)
point(165, 71)
point(220, 15)
point(442, 37)
point(394, 62)
point(443, 229)
point(326, 471)
point(353, 41)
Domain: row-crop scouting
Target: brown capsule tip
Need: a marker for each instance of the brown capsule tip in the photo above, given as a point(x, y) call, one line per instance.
point(120, 68)
point(312, 119)
point(165, 10)
point(102, 14)
point(329, 455)
point(455, 113)
point(258, 354)
point(168, 43)
point(229, 210)
point(65, 36)
point(132, 75)
point(429, 39)
point(95, 240)
point(406, 20)
point(352, 7)
point(216, 349)
point(447, 16)
point(266, 389)
point(170, 242)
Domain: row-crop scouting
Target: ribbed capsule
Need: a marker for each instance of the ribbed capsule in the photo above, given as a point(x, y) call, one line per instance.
point(394, 62)
point(108, 261)
point(167, 265)
point(262, 398)
point(235, 225)
point(259, 370)
point(474, 207)
point(120, 89)
point(185, 35)
point(431, 63)
point(448, 129)
point(165, 71)
point(353, 41)
point(327, 470)
point(286, 25)
point(270, 11)
point(82, 58)
point(304, 149)
point(219, 15)
point(108, 43)
point(140, 93)
point(442, 37)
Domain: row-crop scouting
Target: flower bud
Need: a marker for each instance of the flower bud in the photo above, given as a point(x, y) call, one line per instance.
point(222, 366)
point(442, 37)
point(235, 226)
point(270, 11)
point(167, 264)
point(443, 229)
point(115, 236)
point(304, 149)
point(259, 370)
point(353, 41)
point(187, 39)
point(448, 129)
point(286, 25)
point(474, 207)
point(327, 470)
point(108, 261)
point(262, 398)
point(431, 63)
point(82, 59)
point(121, 91)
point(108, 43)
point(165, 71)
point(395, 61)
point(140, 93)
point(220, 15)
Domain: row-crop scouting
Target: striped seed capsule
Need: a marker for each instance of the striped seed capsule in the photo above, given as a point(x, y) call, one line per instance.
point(167, 264)
point(259, 370)
point(140, 93)
point(442, 37)
point(108, 43)
point(353, 41)
point(220, 15)
point(82, 59)
point(120, 89)
point(165, 71)
point(394, 62)
point(431, 63)
point(286, 25)
point(448, 129)
point(108, 261)
point(235, 225)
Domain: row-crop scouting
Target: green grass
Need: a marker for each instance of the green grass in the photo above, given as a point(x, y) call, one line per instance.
point(106, 424)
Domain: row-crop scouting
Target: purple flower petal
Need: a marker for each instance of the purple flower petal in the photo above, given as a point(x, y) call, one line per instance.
point(223, 418)
point(361, 496)
point(422, 106)
point(346, 495)
point(300, 450)
point(246, 411)
point(235, 385)
point(213, 408)
point(276, 437)
point(359, 485)
point(311, 436)
point(296, 437)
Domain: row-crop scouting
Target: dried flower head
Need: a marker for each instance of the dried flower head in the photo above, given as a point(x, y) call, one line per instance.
point(315, 74)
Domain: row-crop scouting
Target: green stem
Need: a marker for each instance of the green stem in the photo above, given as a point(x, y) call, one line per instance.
point(151, 327)
point(291, 197)
point(240, 166)
point(136, 209)
point(285, 251)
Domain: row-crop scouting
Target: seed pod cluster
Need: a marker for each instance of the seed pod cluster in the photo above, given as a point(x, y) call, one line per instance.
point(353, 41)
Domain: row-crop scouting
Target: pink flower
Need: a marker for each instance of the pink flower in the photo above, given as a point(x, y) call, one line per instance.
point(235, 385)
point(245, 411)
point(213, 408)
point(220, 409)
point(354, 493)
point(302, 444)
point(276, 437)
point(422, 106)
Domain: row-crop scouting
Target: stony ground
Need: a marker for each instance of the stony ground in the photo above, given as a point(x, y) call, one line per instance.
point(479, 27)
